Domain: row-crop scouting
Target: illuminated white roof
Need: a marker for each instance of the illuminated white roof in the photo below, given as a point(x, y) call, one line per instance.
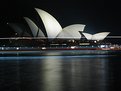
point(18, 29)
point(52, 26)
point(100, 36)
point(97, 36)
point(88, 36)
point(71, 31)
point(35, 30)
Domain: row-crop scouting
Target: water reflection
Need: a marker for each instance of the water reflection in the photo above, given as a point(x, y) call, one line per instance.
point(85, 74)
point(60, 73)
point(52, 75)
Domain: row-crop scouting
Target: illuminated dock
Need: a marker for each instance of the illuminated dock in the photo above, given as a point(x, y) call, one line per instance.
point(47, 51)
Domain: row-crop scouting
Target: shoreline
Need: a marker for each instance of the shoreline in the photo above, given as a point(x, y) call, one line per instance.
point(56, 52)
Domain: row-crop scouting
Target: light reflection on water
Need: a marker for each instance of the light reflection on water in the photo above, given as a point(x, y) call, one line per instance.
point(59, 73)
point(52, 77)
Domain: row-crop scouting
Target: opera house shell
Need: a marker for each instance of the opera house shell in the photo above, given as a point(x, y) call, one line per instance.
point(97, 36)
point(37, 32)
point(54, 30)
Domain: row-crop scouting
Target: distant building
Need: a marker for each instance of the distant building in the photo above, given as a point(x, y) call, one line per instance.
point(54, 31)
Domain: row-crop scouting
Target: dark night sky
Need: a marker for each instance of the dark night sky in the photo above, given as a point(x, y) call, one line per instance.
point(97, 15)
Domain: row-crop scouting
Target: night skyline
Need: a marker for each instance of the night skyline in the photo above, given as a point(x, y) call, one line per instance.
point(98, 16)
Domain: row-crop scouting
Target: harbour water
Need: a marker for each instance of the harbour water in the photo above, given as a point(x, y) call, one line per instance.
point(60, 73)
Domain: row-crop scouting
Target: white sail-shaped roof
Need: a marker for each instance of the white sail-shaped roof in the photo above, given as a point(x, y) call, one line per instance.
point(35, 30)
point(88, 36)
point(97, 36)
point(18, 29)
point(100, 36)
point(71, 31)
point(52, 26)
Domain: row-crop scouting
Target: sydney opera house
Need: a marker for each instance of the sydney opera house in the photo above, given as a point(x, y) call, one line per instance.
point(54, 36)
